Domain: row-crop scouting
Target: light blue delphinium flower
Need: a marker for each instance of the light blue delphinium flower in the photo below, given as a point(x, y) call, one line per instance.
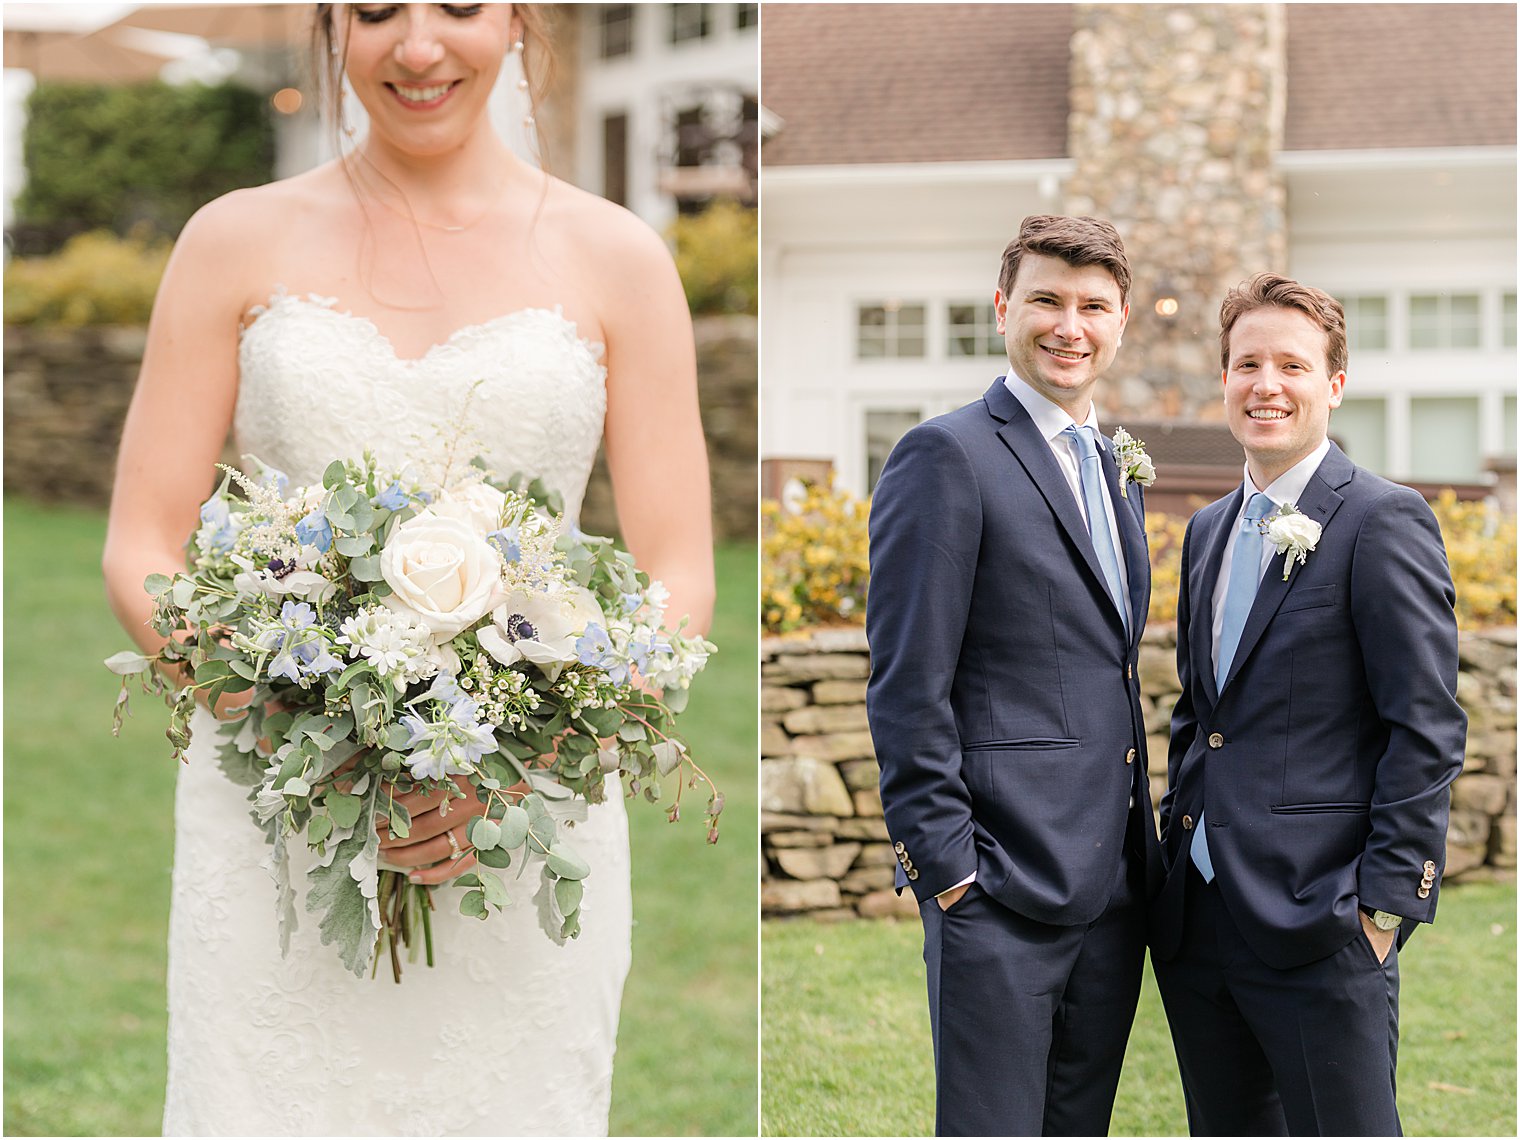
point(452, 744)
point(631, 603)
point(274, 478)
point(315, 530)
point(594, 649)
point(218, 531)
point(393, 498)
point(298, 644)
point(506, 541)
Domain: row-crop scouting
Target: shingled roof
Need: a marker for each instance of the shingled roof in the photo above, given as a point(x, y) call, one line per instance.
point(884, 83)
point(869, 83)
point(1400, 75)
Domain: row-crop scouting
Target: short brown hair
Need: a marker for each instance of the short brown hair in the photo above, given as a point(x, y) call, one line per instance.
point(1076, 241)
point(1274, 291)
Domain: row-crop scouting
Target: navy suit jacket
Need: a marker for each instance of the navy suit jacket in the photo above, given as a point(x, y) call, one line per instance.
point(1003, 700)
point(1325, 760)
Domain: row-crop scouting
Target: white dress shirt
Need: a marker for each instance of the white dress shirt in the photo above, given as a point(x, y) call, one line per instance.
point(1286, 488)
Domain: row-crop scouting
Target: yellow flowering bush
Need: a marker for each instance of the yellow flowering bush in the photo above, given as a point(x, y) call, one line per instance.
point(813, 553)
point(1480, 545)
point(97, 278)
point(1165, 533)
point(815, 567)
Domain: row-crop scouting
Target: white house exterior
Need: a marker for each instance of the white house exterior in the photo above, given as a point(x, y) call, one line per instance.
point(878, 276)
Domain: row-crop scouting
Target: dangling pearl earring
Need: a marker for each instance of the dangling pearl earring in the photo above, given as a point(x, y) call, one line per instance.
point(522, 83)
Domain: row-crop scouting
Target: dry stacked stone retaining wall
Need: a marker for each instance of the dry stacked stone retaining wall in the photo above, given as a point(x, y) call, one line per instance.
point(67, 390)
point(826, 848)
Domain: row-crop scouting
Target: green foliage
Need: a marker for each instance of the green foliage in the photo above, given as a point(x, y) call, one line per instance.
point(846, 1015)
point(717, 255)
point(100, 157)
point(96, 279)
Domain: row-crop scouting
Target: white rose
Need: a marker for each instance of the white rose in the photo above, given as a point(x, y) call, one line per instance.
point(1143, 472)
point(478, 503)
point(442, 571)
point(539, 627)
point(1294, 530)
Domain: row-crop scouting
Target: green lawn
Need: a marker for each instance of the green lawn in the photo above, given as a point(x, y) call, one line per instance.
point(86, 899)
point(846, 1048)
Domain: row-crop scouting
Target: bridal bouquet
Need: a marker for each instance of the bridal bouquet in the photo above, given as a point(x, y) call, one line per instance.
point(394, 632)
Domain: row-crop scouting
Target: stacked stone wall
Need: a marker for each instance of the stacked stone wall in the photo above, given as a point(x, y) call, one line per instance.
point(826, 848)
point(67, 390)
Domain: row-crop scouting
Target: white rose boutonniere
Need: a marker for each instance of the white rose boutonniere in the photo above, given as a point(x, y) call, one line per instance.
point(1293, 533)
point(1135, 465)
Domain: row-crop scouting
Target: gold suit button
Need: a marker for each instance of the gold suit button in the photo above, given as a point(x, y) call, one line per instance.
point(1423, 892)
point(1129, 757)
point(1187, 823)
point(1430, 867)
point(1129, 671)
point(898, 847)
point(912, 874)
point(1216, 740)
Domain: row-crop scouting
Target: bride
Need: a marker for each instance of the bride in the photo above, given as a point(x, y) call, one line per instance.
point(360, 305)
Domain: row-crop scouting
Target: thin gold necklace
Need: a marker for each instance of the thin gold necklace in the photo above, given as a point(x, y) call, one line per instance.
point(411, 216)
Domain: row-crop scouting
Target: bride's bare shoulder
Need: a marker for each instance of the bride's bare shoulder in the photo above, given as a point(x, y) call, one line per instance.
point(602, 233)
point(245, 236)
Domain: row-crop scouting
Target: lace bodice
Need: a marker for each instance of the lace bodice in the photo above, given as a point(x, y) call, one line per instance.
point(319, 384)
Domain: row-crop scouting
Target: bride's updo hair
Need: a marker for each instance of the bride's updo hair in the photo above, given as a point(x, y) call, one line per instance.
point(328, 60)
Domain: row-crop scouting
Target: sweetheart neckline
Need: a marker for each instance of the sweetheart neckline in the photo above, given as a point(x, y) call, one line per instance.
point(318, 303)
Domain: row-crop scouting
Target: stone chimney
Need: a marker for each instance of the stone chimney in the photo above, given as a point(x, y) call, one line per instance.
point(1176, 119)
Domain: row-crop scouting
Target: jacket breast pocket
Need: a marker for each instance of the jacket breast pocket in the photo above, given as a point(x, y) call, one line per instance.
point(1311, 598)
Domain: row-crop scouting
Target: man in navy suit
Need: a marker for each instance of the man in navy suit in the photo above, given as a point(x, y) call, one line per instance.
point(1312, 750)
point(1009, 585)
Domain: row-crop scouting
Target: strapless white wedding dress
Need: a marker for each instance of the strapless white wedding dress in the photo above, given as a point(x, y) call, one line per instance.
point(510, 1035)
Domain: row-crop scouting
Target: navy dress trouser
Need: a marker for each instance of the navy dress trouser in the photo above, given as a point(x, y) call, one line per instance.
point(1309, 1051)
point(1030, 1021)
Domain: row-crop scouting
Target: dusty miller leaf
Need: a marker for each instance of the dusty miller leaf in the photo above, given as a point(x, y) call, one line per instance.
point(344, 892)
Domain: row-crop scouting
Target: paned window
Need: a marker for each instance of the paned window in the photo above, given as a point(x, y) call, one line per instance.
point(889, 329)
point(884, 427)
point(1444, 320)
point(1366, 322)
point(616, 30)
point(689, 22)
point(971, 330)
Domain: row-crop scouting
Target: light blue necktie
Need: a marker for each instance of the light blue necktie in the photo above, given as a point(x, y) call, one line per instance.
point(1245, 577)
point(1091, 471)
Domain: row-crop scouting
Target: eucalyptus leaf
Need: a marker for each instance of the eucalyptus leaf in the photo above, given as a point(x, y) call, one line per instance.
point(127, 662)
point(667, 756)
point(484, 833)
point(344, 809)
point(156, 584)
point(354, 545)
point(514, 828)
point(366, 569)
point(633, 730)
point(565, 862)
point(495, 890)
point(473, 904)
point(567, 895)
point(497, 857)
point(334, 475)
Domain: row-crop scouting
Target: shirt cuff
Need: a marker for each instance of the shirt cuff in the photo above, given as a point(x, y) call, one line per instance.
point(971, 878)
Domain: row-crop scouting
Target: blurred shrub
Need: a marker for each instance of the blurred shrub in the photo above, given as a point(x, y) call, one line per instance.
point(96, 279)
point(815, 568)
point(1165, 534)
point(101, 157)
point(717, 255)
point(813, 558)
point(1480, 545)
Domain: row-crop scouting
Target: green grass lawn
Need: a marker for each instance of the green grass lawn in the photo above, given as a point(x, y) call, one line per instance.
point(846, 1048)
point(87, 876)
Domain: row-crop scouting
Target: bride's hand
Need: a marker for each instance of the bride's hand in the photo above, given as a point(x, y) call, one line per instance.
point(427, 845)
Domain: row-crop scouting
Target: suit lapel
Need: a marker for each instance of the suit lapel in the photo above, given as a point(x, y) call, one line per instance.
point(1319, 501)
point(1205, 580)
point(1131, 539)
point(1031, 449)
